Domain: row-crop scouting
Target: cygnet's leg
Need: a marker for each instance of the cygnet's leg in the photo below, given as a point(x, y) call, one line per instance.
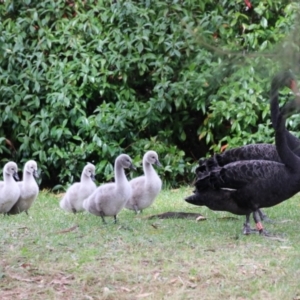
point(115, 218)
point(136, 209)
point(26, 212)
point(247, 229)
point(102, 217)
point(74, 210)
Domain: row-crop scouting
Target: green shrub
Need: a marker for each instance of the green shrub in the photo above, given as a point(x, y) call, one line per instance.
point(87, 80)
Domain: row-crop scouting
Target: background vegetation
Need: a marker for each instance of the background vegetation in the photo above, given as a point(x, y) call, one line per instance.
point(86, 80)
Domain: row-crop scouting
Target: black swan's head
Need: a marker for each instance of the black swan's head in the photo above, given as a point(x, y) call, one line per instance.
point(285, 78)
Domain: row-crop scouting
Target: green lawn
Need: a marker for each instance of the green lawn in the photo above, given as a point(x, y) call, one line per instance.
point(55, 255)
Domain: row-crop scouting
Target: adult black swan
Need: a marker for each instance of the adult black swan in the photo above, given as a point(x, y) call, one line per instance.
point(245, 186)
point(258, 151)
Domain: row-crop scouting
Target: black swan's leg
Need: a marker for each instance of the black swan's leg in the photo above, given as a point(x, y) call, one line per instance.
point(259, 226)
point(257, 220)
point(264, 217)
point(247, 229)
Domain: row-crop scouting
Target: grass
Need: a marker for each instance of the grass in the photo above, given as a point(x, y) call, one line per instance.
point(55, 255)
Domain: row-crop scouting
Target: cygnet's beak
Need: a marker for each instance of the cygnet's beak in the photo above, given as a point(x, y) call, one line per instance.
point(16, 176)
point(157, 163)
point(132, 167)
point(36, 174)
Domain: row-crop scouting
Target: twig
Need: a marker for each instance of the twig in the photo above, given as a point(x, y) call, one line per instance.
point(68, 229)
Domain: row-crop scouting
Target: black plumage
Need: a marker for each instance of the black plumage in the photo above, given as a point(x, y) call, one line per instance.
point(245, 186)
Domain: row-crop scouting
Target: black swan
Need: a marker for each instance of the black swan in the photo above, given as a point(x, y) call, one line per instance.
point(258, 151)
point(145, 188)
point(243, 187)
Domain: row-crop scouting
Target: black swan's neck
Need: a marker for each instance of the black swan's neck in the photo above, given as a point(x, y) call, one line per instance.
point(278, 119)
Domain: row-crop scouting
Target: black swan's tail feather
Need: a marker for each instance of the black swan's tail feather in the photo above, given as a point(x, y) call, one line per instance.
point(203, 182)
point(208, 164)
point(212, 163)
point(210, 180)
point(218, 200)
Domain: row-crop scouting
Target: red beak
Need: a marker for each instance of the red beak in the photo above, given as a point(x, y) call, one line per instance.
point(294, 87)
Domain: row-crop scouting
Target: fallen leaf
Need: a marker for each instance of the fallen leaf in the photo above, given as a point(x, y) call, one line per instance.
point(173, 280)
point(175, 215)
point(68, 229)
point(192, 285)
point(125, 289)
point(210, 250)
point(144, 295)
point(227, 218)
point(25, 265)
point(19, 278)
point(154, 226)
point(63, 280)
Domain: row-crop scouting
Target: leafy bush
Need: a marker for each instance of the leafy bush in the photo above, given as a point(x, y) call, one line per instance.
point(87, 80)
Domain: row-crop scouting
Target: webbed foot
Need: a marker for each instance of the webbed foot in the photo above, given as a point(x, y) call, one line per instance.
point(248, 230)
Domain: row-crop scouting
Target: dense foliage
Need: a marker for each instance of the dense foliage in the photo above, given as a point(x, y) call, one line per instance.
point(87, 80)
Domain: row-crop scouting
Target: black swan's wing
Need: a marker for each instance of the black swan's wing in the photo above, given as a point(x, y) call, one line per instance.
point(238, 174)
point(248, 152)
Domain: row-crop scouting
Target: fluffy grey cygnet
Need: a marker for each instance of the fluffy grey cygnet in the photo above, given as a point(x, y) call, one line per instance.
point(108, 199)
point(29, 189)
point(77, 192)
point(9, 190)
point(145, 188)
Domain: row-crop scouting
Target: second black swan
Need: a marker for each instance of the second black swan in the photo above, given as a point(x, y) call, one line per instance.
point(243, 187)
